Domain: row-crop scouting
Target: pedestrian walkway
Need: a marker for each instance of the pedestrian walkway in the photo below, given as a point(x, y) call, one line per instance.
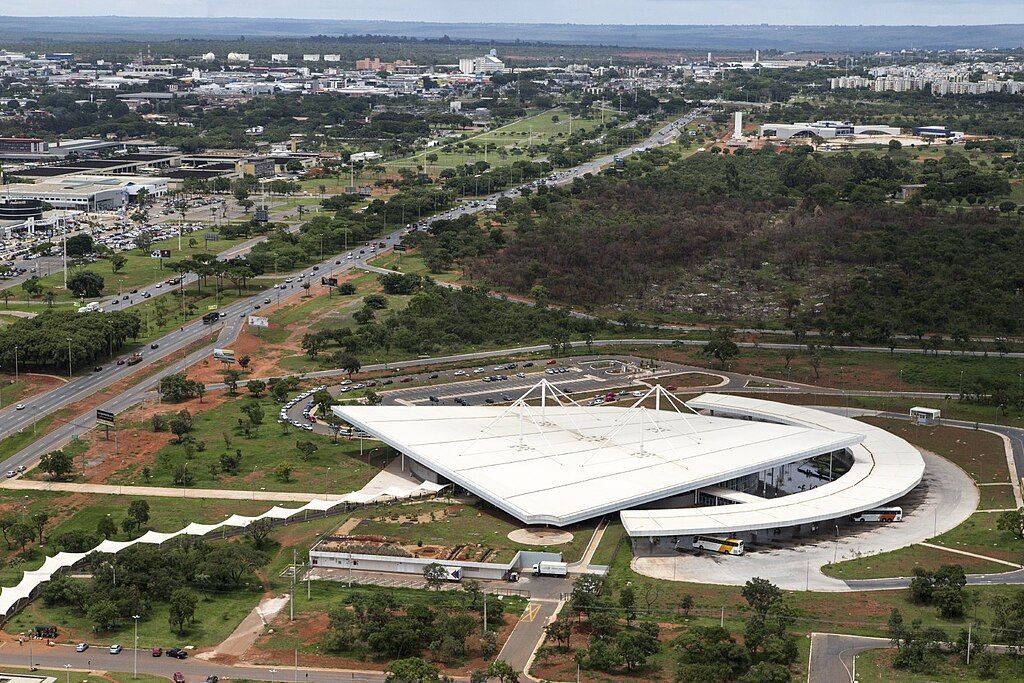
point(975, 555)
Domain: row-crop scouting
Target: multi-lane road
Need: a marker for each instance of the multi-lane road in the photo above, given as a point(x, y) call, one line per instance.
point(87, 384)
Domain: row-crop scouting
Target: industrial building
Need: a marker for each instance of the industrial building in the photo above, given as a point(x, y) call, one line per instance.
point(86, 192)
point(716, 464)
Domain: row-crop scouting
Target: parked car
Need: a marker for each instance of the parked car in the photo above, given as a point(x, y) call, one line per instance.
point(176, 652)
point(178, 677)
point(81, 647)
point(115, 649)
point(157, 651)
point(212, 678)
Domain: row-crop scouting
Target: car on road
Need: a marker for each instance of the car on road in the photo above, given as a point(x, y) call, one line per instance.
point(460, 373)
point(212, 678)
point(433, 376)
point(157, 651)
point(20, 406)
point(178, 677)
point(435, 399)
point(176, 652)
point(154, 345)
point(81, 647)
point(11, 474)
point(528, 364)
point(115, 649)
point(120, 361)
point(552, 362)
point(97, 368)
point(21, 468)
point(267, 300)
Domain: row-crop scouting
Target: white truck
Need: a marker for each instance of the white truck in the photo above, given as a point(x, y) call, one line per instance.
point(545, 568)
point(91, 307)
point(453, 574)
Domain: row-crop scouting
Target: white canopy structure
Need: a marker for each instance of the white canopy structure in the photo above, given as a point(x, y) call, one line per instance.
point(547, 460)
point(884, 468)
point(12, 597)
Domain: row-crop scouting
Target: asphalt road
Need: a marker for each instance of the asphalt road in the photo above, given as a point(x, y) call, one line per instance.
point(832, 655)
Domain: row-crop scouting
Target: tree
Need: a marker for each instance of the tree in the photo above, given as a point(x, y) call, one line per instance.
point(32, 286)
point(498, 669)
point(117, 262)
point(636, 645)
point(138, 512)
point(103, 614)
point(256, 387)
point(627, 601)
point(7, 520)
point(721, 347)
point(761, 595)
point(307, 449)
point(1012, 521)
point(258, 531)
point(686, 604)
point(182, 608)
point(559, 630)
point(435, 575)
point(349, 363)
point(283, 472)
point(58, 464)
point(766, 672)
point(244, 361)
point(86, 284)
point(106, 527)
point(22, 533)
point(39, 519)
point(144, 241)
point(709, 654)
point(180, 424)
point(254, 413)
point(231, 378)
point(411, 670)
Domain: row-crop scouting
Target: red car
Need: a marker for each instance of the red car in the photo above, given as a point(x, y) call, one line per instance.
point(552, 362)
point(178, 677)
point(157, 652)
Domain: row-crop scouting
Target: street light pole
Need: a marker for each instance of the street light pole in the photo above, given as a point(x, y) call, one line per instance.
point(69, 357)
point(135, 664)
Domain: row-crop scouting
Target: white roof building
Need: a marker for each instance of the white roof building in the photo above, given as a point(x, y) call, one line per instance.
point(559, 463)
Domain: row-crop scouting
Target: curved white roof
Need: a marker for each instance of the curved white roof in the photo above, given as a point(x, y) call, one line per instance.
point(562, 464)
point(885, 467)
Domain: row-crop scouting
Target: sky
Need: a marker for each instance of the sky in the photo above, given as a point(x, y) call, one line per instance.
point(867, 12)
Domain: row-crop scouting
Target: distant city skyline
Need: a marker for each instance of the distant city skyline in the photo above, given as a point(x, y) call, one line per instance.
point(798, 12)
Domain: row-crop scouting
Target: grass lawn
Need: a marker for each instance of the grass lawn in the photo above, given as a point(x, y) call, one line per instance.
point(486, 527)
point(876, 665)
point(902, 562)
point(997, 497)
point(978, 534)
point(411, 262)
point(338, 467)
point(980, 454)
point(614, 540)
point(217, 615)
point(141, 269)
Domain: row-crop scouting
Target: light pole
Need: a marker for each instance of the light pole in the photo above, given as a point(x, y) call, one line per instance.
point(15, 362)
point(69, 357)
point(135, 664)
point(326, 474)
point(67, 668)
point(114, 570)
point(273, 675)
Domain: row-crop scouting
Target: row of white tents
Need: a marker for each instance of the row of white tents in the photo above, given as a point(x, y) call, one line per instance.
point(12, 597)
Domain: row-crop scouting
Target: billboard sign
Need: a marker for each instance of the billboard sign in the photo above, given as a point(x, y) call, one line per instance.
point(329, 281)
point(211, 236)
point(225, 355)
point(104, 418)
point(257, 321)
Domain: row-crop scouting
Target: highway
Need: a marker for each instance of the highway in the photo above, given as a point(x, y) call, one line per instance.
point(89, 383)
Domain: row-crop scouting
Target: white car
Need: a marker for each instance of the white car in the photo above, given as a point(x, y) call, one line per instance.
point(460, 373)
point(20, 406)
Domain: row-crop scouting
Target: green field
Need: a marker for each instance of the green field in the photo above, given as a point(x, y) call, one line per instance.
point(141, 269)
point(876, 666)
point(336, 467)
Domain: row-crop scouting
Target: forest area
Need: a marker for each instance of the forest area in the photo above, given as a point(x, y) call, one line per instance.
point(758, 239)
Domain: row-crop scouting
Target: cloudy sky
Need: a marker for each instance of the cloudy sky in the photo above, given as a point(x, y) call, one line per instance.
point(557, 11)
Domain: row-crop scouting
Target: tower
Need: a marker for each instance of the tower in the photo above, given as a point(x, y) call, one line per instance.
point(737, 129)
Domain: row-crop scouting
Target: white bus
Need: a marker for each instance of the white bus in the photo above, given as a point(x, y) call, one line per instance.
point(726, 546)
point(893, 514)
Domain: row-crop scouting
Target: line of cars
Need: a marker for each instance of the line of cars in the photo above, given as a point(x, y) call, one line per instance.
point(282, 416)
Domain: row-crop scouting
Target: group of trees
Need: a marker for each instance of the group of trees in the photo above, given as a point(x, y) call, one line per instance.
point(943, 588)
point(439, 318)
point(45, 341)
point(622, 638)
point(749, 239)
point(136, 579)
point(375, 625)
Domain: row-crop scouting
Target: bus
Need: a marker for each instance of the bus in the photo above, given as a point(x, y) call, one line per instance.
point(726, 546)
point(893, 514)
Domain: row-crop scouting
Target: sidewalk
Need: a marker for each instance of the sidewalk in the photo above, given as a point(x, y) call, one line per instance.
point(160, 491)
